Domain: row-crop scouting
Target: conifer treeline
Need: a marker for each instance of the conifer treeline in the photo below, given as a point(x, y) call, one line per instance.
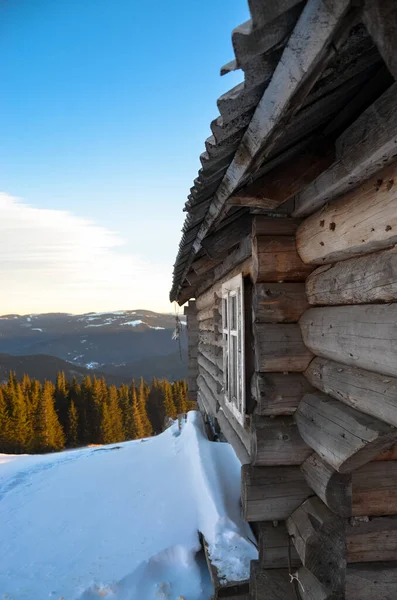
point(37, 417)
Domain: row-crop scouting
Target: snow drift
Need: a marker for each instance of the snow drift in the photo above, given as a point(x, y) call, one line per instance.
point(123, 521)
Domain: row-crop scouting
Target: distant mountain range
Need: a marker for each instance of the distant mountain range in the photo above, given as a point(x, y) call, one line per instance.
point(119, 345)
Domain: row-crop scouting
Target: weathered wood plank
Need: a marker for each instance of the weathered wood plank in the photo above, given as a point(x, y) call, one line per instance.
point(207, 395)
point(277, 441)
point(301, 64)
point(238, 261)
point(334, 489)
point(210, 337)
point(263, 225)
point(374, 489)
point(319, 538)
point(284, 181)
point(228, 236)
point(363, 149)
point(371, 581)
point(344, 437)
point(233, 438)
point(275, 546)
point(311, 589)
point(275, 259)
point(278, 393)
point(370, 278)
point(360, 222)
point(380, 19)
point(222, 588)
point(280, 348)
point(211, 368)
point(271, 493)
point(278, 302)
point(364, 336)
point(272, 584)
point(371, 540)
point(368, 392)
point(211, 353)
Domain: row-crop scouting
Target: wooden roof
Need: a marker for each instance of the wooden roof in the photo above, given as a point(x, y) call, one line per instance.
point(309, 68)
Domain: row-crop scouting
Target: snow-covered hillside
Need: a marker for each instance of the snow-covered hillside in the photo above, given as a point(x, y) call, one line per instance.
point(122, 521)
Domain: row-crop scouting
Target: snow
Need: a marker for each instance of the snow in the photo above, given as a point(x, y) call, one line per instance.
point(92, 365)
point(122, 521)
point(157, 328)
point(134, 323)
point(36, 329)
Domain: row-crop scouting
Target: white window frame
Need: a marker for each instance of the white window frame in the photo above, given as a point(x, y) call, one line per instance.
point(234, 351)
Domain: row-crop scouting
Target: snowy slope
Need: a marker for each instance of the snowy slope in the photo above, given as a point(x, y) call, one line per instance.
point(122, 521)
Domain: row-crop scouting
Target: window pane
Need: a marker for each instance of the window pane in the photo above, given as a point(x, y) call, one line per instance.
point(233, 312)
point(224, 312)
point(226, 365)
point(234, 367)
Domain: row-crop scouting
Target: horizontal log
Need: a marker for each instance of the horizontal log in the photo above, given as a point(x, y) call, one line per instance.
point(271, 493)
point(361, 222)
point(272, 584)
point(210, 337)
point(319, 538)
point(207, 396)
point(278, 302)
point(276, 441)
point(374, 489)
point(368, 392)
point(262, 225)
point(280, 348)
point(278, 393)
point(371, 540)
point(211, 368)
point(201, 266)
point(212, 353)
point(238, 261)
point(275, 259)
point(363, 280)
point(334, 489)
point(209, 299)
point(390, 454)
point(363, 148)
point(344, 437)
point(371, 581)
point(275, 547)
point(233, 438)
point(363, 336)
point(206, 313)
point(380, 20)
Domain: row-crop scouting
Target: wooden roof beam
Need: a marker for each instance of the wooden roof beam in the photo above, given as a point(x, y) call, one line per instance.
point(300, 66)
point(380, 19)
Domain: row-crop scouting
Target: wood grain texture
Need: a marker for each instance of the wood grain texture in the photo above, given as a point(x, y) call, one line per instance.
point(319, 538)
point(368, 392)
point(363, 149)
point(274, 547)
point(360, 222)
point(275, 259)
point(278, 302)
point(344, 437)
point(263, 225)
point(277, 441)
point(311, 589)
point(334, 489)
point(371, 581)
point(280, 348)
point(370, 278)
point(278, 393)
point(374, 489)
point(372, 540)
point(380, 19)
point(272, 584)
point(271, 493)
point(364, 336)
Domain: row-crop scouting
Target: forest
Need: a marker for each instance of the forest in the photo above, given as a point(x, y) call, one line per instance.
point(39, 418)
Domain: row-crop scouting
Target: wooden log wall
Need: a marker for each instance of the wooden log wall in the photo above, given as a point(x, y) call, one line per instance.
point(349, 418)
point(192, 335)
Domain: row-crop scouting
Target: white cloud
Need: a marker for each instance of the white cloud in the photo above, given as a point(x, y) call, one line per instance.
point(52, 260)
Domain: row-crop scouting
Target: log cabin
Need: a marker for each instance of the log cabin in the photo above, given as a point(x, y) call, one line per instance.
point(288, 262)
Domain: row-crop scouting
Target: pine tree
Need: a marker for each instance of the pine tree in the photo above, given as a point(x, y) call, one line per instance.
point(126, 409)
point(73, 426)
point(106, 425)
point(142, 400)
point(50, 434)
point(116, 415)
point(5, 424)
point(138, 429)
point(169, 404)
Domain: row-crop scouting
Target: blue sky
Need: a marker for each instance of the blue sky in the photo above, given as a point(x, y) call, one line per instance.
point(104, 110)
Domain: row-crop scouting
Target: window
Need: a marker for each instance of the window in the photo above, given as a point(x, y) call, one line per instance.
point(233, 346)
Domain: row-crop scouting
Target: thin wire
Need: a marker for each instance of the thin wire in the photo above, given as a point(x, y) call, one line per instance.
point(293, 577)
